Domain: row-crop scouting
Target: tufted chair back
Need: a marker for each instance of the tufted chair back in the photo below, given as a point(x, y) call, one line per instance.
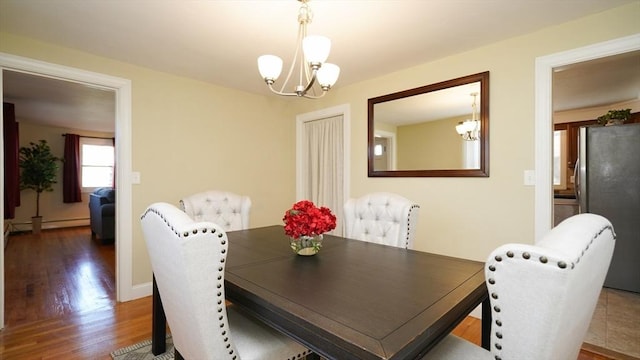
point(542, 296)
point(382, 218)
point(188, 260)
point(229, 210)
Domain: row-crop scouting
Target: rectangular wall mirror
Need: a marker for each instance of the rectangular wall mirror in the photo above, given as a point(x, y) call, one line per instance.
point(437, 130)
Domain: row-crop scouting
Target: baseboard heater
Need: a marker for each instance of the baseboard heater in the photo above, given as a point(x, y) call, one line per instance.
point(48, 224)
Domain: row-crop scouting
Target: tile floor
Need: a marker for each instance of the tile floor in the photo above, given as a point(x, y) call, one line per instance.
point(616, 322)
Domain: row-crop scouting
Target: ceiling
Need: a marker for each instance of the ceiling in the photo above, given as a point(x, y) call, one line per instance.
point(219, 41)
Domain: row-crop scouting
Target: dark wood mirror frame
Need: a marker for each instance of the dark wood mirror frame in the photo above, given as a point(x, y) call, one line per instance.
point(482, 171)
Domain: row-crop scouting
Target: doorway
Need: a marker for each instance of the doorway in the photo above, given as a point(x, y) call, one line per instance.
point(544, 186)
point(122, 89)
point(544, 67)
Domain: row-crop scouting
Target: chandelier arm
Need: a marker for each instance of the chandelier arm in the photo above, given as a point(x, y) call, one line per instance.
point(301, 32)
point(324, 92)
point(309, 85)
point(281, 92)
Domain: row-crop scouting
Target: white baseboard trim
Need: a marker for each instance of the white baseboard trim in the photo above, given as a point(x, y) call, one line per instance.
point(140, 291)
point(477, 312)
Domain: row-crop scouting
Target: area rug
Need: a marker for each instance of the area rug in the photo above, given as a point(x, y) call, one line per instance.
point(142, 351)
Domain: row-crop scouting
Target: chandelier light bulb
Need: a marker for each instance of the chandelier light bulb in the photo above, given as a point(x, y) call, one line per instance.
point(316, 49)
point(270, 67)
point(469, 130)
point(328, 75)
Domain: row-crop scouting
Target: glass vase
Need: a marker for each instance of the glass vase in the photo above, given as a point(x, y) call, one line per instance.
point(306, 245)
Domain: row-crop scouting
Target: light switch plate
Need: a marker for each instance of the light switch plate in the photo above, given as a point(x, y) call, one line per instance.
point(529, 177)
point(135, 177)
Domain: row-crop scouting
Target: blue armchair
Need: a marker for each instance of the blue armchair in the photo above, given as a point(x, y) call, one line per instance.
point(102, 211)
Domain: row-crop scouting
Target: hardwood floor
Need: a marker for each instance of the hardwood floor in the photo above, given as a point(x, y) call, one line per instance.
point(57, 273)
point(81, 320)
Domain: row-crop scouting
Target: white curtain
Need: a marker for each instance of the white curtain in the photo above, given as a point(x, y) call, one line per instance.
point(471, 154)
point(322, 152)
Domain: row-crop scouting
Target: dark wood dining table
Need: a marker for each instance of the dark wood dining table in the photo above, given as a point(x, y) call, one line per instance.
point(353, 300)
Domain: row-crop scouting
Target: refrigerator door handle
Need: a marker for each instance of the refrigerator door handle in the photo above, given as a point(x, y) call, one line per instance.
point(576, 182)
point(581, 172)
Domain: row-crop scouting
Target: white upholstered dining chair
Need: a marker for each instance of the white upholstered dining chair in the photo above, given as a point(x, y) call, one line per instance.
point(188, 260)
point(542, 296)
point(383, 218)
point(229, 210)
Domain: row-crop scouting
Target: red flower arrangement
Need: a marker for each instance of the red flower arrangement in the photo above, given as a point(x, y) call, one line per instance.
point(306, 219)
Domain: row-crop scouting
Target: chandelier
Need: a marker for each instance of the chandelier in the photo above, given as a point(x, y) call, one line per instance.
point(470, 129)
point(310, 56)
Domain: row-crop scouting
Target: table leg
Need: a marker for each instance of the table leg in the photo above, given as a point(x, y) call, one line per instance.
point(486, 324)
point(158, 323)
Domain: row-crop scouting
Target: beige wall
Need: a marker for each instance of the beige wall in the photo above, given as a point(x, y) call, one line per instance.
point(469, 217)
point(190, 136)
point(52, 209)
point(430, 145)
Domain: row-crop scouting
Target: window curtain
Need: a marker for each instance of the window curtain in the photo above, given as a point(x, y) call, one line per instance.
point(113, 141)
point(322, 152)
point(71, 187)
point(11, 161)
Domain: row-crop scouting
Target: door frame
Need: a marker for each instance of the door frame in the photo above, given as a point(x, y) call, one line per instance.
point(544, 65)
point(122, 89)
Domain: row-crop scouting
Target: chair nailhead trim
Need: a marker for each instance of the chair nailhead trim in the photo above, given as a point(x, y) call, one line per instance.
point(219, 294)
point(543, 260)
point(414, 206)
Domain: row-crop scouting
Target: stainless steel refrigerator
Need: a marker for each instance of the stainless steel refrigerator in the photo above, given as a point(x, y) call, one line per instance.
point(608, 184)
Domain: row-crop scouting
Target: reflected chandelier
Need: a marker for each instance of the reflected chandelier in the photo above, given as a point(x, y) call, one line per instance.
point(470, 129)
point(310, 55)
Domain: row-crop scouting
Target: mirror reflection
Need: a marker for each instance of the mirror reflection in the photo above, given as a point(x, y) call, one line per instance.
point(435, 130)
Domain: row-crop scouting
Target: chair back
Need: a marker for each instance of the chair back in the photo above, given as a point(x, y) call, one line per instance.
point(229, 210)
point(382, 218)
point(543, 296)
point(188, 262)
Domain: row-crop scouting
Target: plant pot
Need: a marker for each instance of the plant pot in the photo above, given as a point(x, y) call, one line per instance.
point(614, 122)
point(306, 245)
point(36, 224)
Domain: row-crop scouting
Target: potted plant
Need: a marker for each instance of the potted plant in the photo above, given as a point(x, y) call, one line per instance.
point(39, 169)
point(614, 117)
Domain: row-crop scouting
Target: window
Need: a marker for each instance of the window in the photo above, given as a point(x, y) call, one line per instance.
point(97, 158)
point(559, 159)
point(377, 150)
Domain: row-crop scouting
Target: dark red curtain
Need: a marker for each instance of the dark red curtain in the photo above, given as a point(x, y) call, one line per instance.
point(11, 161)
point(113, 141)
point(71, 187)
